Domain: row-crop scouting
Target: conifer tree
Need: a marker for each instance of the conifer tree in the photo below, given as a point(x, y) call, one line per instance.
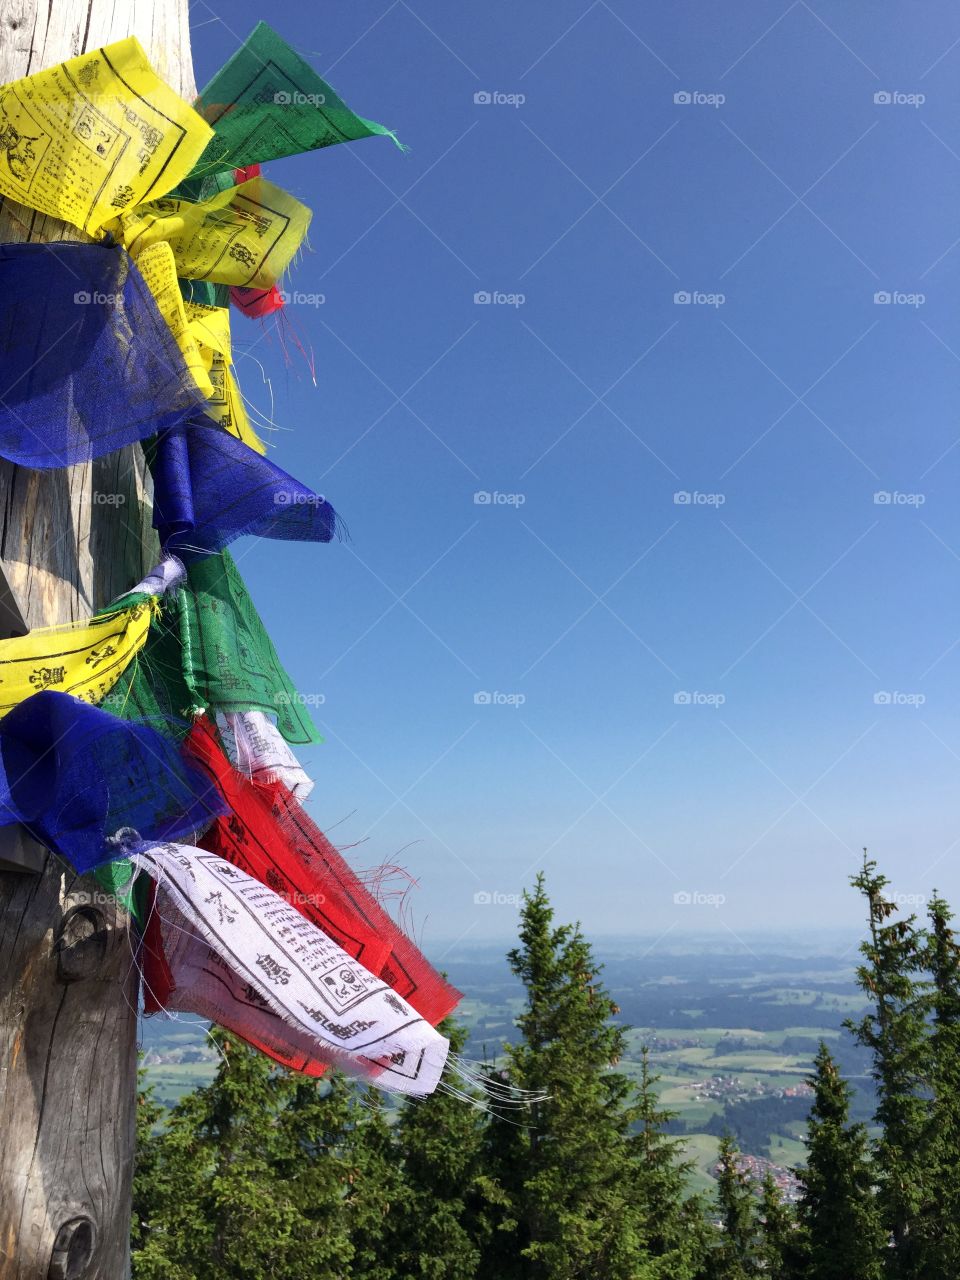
point(375, 1186)
point(226, 1181)
point(437, 1228)
point(735, 1257)
point(145, 1172)
point(940, 1229)
point(568, 1171)
point(675, 1230)
point(313, 1125)
point(841, 1237)
point(171, 1238)
point(895, 1031)
point(777, 1224)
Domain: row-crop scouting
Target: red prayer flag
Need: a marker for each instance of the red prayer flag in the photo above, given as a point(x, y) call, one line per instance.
point(269, 835)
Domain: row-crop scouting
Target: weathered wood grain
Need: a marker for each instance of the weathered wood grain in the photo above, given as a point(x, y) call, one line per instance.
point(67, 984)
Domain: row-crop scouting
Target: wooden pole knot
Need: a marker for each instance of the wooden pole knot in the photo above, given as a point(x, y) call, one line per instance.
point(72, 1250)
point(82, 941)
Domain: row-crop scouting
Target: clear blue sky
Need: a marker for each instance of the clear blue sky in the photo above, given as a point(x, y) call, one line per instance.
point(599, 599)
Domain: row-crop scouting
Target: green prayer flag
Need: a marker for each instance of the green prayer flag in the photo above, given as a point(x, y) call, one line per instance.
point(205, 292)
point(209, 650)
point(153, 689)
point(228, 659)
point(116, 878)
point(266, 102)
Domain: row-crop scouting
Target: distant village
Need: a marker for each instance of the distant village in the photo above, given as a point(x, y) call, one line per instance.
point(721, 1088)
point(756, 1169)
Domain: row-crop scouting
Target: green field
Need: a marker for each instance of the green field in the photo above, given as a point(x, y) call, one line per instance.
point(171, 1081)
point(702, 1150)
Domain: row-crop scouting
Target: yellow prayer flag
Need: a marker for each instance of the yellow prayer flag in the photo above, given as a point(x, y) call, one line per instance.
point(210, 327)
point(237, 423)
point(95, 135)
point(157, 267)
point(245, 235)
point(83, 658)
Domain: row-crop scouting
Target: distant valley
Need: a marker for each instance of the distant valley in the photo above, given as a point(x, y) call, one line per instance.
point(731, 1032)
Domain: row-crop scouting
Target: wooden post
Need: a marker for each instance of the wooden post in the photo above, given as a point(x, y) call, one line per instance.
point(68, 987)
